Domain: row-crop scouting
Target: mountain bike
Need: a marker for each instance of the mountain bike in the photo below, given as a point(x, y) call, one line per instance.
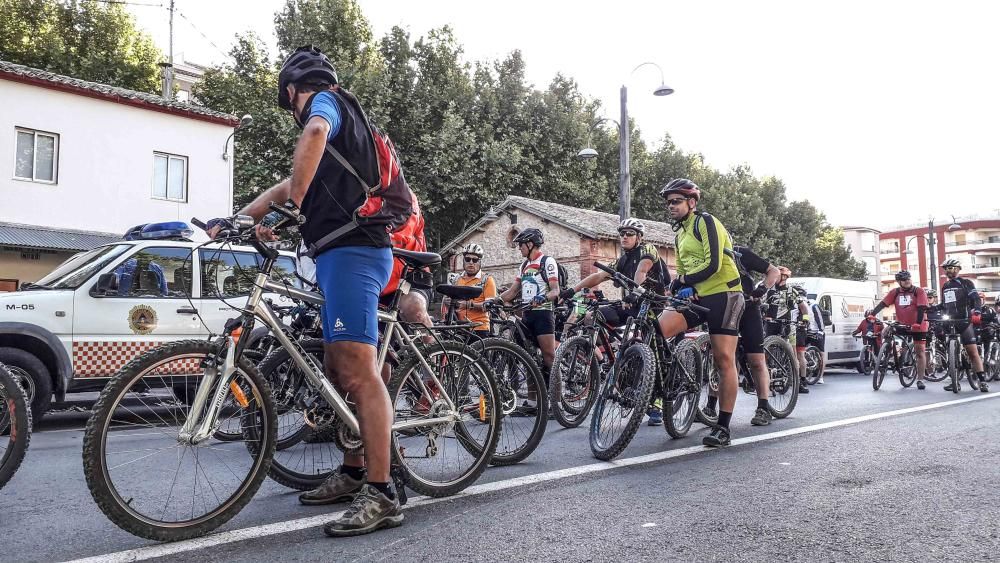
point(896, 354)
point(155, 469)
point(580, 363)
point(990, 338)
point(15, 425)
point(783, 386)
point(644, 357)
point(956, 358)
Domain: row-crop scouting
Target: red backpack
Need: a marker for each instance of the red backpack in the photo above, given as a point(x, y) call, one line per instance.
point(389, 202)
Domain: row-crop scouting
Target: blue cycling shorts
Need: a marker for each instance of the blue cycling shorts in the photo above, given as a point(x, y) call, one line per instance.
point(351, 278)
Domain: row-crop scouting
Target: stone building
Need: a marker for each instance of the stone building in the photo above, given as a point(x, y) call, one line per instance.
point(575, 237)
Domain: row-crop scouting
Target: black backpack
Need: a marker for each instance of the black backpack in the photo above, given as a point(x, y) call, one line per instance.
point(563, 273)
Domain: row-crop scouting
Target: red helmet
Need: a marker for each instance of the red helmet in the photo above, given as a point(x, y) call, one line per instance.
point(681, 186)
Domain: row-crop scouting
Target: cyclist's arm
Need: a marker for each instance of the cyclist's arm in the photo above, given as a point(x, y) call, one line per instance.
point(975, 299)
point(771, 276)
point(514, 289)
point(590, 281)
point(277, 193)
point(308, 152)
point(712, 251)
point(645, 265)
point(489, 292)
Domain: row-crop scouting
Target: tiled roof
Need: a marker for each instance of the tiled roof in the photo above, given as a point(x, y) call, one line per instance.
point(45, 79)
point(593, 224)
point(31, 236)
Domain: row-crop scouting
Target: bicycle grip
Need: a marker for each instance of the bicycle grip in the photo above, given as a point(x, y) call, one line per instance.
point(198, 223)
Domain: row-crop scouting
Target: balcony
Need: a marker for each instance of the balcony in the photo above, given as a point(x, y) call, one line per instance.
point(889, 254)
point(991, 243)
point(985, 271)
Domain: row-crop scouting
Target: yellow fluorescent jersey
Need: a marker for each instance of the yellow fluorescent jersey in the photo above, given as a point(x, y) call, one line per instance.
point(705, 255)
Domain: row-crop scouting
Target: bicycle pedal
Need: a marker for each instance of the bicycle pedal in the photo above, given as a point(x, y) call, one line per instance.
point(399, 481)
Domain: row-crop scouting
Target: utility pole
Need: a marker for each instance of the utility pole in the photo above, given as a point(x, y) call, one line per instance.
point(168, 69)
point(625, 179)
point(931, 249)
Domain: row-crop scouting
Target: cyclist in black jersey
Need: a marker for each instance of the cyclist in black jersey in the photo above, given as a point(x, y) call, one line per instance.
point(786, 302)
point(752, 328)
point(961, 301)
point(639, 261)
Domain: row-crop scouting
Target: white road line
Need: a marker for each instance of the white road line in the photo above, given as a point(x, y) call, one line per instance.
point(256, 532)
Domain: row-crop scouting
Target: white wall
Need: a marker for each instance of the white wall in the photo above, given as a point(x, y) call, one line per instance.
point(105, 175)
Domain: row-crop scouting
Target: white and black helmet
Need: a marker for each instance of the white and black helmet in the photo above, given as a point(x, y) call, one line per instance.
point(473, 248)
point(951, 263)
point(633, 224)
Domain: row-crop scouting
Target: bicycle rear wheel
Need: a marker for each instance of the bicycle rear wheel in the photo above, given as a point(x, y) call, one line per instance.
point(813, 364)
point(444, 458)
point(15, 425)
point(622, 401)
point(149, 481)
point(783, 391)
point(954, 361)
point(882, 365)
point(681, 388)
point(524, 426)
point(939, 372)
point(907, 370)
point(709, 381)
point(992, 361)
point(573, 382)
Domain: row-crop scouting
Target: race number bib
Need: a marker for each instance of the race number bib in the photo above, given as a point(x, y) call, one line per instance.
point(904, 300)
point(950, 296)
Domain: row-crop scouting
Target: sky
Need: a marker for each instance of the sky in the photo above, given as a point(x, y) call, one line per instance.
point(879, 113)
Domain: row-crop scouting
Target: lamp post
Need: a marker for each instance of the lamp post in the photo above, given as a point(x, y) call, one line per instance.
point(244, 121)
point(625, 173)
point(930, 245)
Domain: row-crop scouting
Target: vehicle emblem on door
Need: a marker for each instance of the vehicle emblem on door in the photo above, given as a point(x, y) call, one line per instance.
point(142, 319)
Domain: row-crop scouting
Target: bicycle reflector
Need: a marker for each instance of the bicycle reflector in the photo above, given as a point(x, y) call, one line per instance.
point(170, 230)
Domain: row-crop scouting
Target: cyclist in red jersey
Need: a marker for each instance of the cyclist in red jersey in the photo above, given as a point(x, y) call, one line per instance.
point(910, 303)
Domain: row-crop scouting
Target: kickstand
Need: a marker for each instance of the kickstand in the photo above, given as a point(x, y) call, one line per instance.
point(398, 475)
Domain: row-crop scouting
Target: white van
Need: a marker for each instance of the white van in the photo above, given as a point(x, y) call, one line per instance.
point(843, 303)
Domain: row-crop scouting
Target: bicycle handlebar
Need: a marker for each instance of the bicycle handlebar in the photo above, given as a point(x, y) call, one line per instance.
point(647, 294)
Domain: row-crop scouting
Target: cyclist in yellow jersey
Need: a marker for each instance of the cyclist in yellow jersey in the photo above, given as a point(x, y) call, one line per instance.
point(706, 270)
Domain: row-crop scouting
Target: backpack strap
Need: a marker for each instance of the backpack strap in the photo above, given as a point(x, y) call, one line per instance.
point(545, 257)
point(347, 166)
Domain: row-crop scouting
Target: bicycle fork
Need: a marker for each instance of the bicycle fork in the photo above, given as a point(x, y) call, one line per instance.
point(198, 427)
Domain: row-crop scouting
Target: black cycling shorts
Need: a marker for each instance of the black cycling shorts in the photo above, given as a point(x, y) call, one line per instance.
point(752, 330)
point(617, 314)
point(916, 336)
point(539, 322)
point(724, 313)
point(817, 339)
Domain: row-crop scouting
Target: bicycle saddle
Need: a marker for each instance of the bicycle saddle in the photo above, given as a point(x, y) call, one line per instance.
point(461, 292)
point(417, 259)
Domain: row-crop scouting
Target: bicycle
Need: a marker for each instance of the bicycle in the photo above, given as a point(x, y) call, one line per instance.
point(445, 402)
point(578, 369)
point(956, 358)
point(896, 354)
point(783, 383)
point(990, 338)
point(15, 425)
point(869, 353)
point(644, 357)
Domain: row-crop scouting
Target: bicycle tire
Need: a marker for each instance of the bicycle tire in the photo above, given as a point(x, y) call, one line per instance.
point(786, 380)
point(259, 439)
point(882, 365)
point(953, 359)
point(15, 425)
point(489, 402)
point(294, 451)
point(568, 415)
point(814, 356)
point(967, 369)
point(639, 387)
point(514, 446)
point(710, 380)
point(993, 361)
point(868, 360)
point(940, 371)
point(907, 371)
point(680, 396)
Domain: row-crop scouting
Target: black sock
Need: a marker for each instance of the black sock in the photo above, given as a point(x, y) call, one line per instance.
point(712, 401)
point(356, 473)
point(762, 404)
point(724, 418)
point(385, 489)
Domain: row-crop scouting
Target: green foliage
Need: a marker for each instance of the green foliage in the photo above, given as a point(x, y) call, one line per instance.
point(471, 134)
point(80, 38)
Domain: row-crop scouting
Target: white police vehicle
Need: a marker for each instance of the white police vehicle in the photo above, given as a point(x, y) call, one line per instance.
point(74, 328)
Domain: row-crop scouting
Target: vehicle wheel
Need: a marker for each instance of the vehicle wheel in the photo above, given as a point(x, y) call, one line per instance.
point(954, 361)
point(622, 401)
point(813, 364)
point(33, 377)
point(15, 425)
point(681, 388)
point(132, 442)
point(908, 370)
point(882, 365)
point(524, 426)
point(784, 384)
point(573, 382)
point(709, 381)
point(939, 371)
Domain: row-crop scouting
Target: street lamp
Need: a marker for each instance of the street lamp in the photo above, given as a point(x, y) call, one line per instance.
point(246, 120)
point(930, 246)
point(590, 153)
point(625, 180)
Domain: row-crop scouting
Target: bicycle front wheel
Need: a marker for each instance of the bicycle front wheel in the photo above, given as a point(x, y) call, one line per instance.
point(681, 388)
point(907, 370)
point(813, 364)
point(954, 360)
point(622, 401)
point(145, 477)
point(15, 425)
point(882, 365)
point(517, 374)
point(709, 381)
point(443, 458)
point(573, 381)
point(783, 387)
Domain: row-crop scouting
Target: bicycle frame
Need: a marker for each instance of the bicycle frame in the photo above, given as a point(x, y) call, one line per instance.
point(200, 426)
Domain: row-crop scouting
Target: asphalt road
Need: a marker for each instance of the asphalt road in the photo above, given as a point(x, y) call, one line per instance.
point(846, 477)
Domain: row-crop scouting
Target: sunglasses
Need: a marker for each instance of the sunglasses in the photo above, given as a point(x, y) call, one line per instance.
point(676, 201)
point(624, 234)
point(471, 260)
point(953, 268)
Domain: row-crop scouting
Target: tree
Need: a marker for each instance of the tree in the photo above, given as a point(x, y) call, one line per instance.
point(80, 38)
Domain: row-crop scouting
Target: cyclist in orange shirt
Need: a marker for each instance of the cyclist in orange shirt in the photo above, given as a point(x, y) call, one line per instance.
point(473, 275)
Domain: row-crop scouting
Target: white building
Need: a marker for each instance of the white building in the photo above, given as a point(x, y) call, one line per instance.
point(864, 246)
point(86, 161)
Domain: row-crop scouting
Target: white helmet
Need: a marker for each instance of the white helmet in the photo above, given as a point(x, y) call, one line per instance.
point(634, 224)
point(473, 248)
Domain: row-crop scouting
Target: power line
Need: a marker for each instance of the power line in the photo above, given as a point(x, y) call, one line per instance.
point(129, 3)
point(194, 27)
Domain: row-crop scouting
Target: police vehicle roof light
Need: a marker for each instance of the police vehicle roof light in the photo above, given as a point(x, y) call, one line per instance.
point(176, 230)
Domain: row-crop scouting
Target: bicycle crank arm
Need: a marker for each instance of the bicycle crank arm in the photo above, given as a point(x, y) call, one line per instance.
point(424, 422)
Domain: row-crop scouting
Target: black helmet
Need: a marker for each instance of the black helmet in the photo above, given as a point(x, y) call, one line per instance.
point(305, 63)
point(681, 186)
point(530, 235)
point(902, 275)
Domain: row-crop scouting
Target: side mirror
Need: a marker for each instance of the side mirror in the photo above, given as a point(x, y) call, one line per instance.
point(105, 285)
point(827, 317)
